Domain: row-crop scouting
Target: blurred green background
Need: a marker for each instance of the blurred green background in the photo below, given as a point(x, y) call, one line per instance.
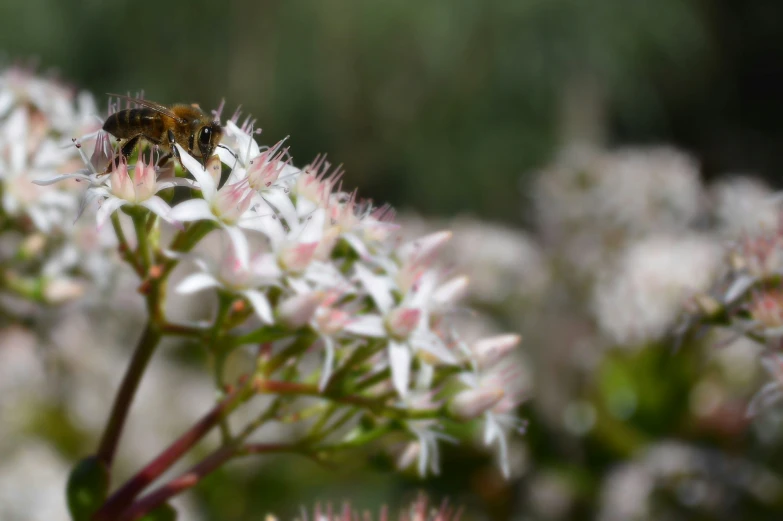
point(440, 105)
point(447, 107)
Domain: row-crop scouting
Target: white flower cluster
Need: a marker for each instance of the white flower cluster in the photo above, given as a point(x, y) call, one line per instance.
point(52, 257)
point(633, 233)
point(696, 480)
point(314, 262)
point(748, 298)
point(593, 202)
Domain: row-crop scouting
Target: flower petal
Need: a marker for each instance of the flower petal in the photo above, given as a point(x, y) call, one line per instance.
point(197, 282)
point(159, 207)
point(738, 288)
point(400, 362)
point(56, 179)
point(431, 343)
point(367, 325)
point(326, 372)
point(377, 286)
point(202, 177)
point(108, 207)
point(279, 199)
point(260, 304)
point(192, 210)
point(241, 247)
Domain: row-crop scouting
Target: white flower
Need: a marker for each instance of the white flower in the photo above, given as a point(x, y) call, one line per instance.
point(407, 333)
point(229, 206)
point(244, 278)
point(137, 190)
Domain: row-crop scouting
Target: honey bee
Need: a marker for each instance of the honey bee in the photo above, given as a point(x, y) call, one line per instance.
point(161, 126)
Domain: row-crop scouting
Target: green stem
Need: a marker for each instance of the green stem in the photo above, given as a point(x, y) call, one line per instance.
point(125, 250)
point(174, 329)
point(220, 354)
point(359, 356)
point(119, 412)
point(142, 242)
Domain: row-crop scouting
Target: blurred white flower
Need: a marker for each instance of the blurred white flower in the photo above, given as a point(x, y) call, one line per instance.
point(31, 484)
point(743, 205)
point(591, 203)
point(500, 262)
point(708, 481)
point(38, 121)
point(625, 493)
point(641, 297)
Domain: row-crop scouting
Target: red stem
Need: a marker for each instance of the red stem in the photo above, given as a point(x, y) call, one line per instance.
point(190, 478)
point(124, 398)
point(281, 387)
point(128, 492)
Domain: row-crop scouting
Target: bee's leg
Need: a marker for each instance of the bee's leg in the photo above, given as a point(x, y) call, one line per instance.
point(162, 160)
point(125, 151)
point(172, 146)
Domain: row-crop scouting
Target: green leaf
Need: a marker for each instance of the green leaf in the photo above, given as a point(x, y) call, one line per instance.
point(164, 512)
point(87, 489)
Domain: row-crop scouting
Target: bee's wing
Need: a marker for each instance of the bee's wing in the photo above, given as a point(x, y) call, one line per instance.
point(157, 107)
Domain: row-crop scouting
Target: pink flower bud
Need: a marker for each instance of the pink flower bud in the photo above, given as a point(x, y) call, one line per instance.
point(423, 251)
point(489, 351)
point(121, 182)
point(144, 181)
point(297, 257)
point(102, 154)
point(265, 169)
point(471, 403)
point(402, 321)
point(452, 291)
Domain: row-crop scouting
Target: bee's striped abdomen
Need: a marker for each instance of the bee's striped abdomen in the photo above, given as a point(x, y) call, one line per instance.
point(129, 123)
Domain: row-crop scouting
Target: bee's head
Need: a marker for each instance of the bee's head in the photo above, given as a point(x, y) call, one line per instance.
point(207, 138)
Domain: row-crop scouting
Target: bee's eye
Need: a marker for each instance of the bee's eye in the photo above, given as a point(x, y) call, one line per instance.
point(205, 136)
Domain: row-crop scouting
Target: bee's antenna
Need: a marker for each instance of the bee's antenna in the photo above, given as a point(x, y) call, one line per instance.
point(229, 150)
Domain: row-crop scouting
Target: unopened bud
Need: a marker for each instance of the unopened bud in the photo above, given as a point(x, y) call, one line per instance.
point(423, 251)
point(452, 291)
point(472, 403)
point(490, 350)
